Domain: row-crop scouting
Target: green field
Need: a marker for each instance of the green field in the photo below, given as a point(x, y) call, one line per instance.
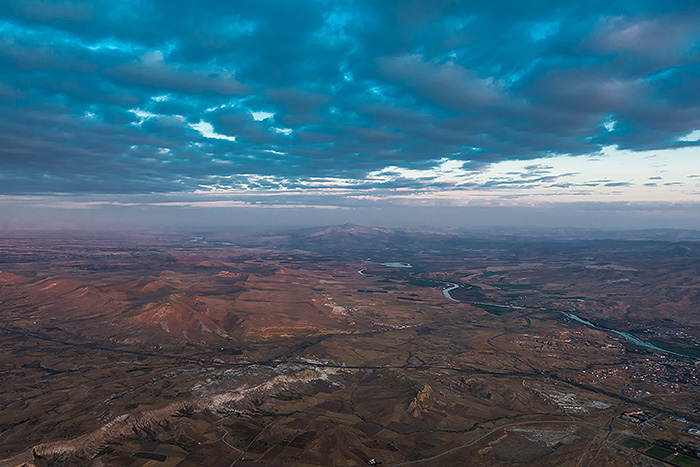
point(658, 452)
point(635, 443)
point(494, 273)
point(425, 283)
point(682, 460)
point(690, 351)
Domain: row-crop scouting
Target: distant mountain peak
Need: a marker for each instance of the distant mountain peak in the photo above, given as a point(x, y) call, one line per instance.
point(349, 228)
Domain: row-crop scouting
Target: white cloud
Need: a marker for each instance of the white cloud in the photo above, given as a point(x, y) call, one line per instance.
point(207, 130)
point(691, 137)
point(259, 116)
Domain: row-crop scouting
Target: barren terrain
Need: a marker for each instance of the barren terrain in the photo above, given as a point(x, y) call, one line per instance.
point(341, 345)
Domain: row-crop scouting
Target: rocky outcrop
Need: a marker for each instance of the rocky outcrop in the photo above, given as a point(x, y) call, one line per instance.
point(88, 445)
point(423, 402)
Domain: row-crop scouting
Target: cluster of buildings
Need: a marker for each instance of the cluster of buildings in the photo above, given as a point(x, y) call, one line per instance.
point(663, 375)
point(669, 373)
point(636, 416)
point(681, 336)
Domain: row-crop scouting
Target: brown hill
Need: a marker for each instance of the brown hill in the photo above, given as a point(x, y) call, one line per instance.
point(188, 317)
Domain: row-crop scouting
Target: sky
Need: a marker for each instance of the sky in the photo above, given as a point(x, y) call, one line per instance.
point(453, 113)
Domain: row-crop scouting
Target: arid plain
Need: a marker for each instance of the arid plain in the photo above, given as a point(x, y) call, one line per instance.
point(350, 345)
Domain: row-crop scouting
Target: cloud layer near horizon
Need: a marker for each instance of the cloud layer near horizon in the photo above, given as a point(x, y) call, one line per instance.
point(158, 97)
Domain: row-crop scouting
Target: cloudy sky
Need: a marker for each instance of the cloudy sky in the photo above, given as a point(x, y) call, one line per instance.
point(331, 109)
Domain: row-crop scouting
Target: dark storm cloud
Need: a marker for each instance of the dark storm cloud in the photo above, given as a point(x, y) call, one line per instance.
point(155, 96)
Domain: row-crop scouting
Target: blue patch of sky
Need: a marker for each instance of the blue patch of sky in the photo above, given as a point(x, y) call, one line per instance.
point(514, 77)
point(541, 30)
point(334, 27)
point(47, 35)
point(237, 26)
point(659, 75)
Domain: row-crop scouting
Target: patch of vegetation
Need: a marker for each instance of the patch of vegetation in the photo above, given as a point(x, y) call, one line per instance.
point(494, 273)
point(636, 349)
point(658, 452)
point(635, 443)
point(391, 287)
point(689, 351)
point(682, 460)
point(494, 309)
point(410, 299)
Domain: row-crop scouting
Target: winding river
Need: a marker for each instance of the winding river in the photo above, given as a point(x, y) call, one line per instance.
point(450, 286)
point(629, 337)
